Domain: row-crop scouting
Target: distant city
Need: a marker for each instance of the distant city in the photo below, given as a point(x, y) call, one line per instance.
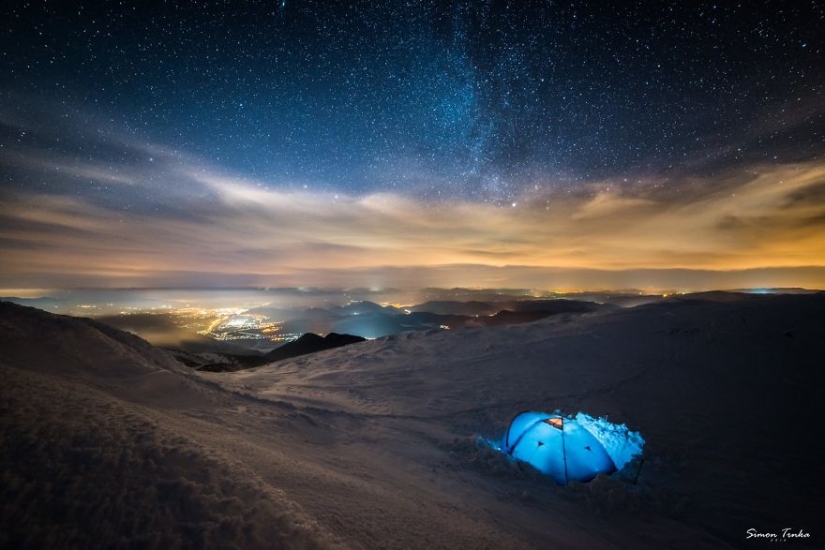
point(255, 321)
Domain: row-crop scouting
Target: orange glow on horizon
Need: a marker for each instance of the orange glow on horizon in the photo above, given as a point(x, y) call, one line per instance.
point(768, 219)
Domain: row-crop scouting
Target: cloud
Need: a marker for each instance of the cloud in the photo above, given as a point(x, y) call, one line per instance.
point(765, 221)
point(159, 214)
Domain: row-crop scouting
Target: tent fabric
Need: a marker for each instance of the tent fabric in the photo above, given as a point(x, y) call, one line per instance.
point(557, 446)
point(555, 422)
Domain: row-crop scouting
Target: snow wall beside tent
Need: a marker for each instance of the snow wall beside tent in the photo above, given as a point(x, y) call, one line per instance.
point(618, 441)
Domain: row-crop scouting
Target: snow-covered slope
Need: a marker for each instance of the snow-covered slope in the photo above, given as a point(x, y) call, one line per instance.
point(372, 445)
point(96, 448)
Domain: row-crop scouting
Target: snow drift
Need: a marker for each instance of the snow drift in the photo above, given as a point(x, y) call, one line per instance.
point(108, 441)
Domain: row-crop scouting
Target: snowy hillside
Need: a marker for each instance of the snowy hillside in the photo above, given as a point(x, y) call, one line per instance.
point(374, 444)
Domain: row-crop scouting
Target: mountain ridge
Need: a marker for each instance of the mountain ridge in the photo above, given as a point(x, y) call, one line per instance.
point(377, 444)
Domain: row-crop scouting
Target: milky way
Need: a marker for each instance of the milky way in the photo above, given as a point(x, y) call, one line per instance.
point(156, 115)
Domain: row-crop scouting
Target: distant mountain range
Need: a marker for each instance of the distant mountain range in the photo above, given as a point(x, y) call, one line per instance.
point(310, 343)
point(371, 320)
point(358, 321)
point(107, 439)
point(306, 344)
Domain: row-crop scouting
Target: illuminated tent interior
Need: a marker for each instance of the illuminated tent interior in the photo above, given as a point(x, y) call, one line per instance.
point(561, 447)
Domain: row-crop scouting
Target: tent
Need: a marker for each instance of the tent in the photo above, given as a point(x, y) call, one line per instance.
point(557, 446)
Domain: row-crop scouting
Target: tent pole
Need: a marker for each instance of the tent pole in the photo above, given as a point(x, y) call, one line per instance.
point(564, 453)
point(638, 470)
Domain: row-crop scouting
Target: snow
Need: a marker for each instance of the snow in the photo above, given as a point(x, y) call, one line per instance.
point(106, 439)
point(622, 444)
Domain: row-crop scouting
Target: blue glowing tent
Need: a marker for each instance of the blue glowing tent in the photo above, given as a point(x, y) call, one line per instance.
point(557, 446)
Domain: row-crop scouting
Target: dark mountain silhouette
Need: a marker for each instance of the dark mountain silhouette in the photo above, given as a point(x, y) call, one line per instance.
point(45, 303)
point(310, 343)
point(549, 307)
point(372, 320)
point(364, 308)
point(306, 344)
point(507, 317)
point(453, 307)
point(383, 323)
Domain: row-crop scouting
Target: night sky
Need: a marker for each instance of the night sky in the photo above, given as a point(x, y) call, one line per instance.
point(487, 143)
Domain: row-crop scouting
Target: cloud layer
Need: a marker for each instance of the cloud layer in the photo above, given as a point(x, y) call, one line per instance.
point(169, 219)
point(87, 204)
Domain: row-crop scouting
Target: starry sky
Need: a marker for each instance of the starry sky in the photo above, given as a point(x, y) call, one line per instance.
point(490, 143)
